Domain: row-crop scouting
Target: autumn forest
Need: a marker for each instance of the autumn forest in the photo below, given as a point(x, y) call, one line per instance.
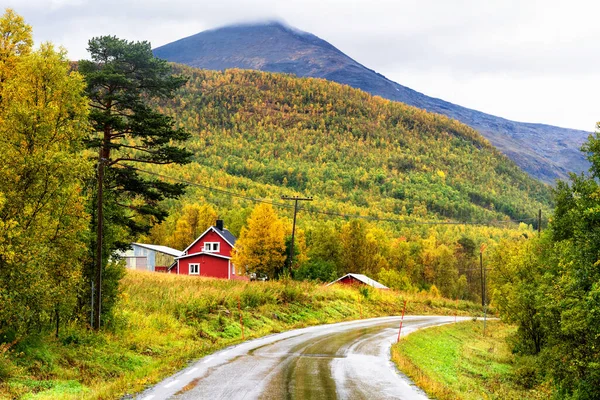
point(124, 147)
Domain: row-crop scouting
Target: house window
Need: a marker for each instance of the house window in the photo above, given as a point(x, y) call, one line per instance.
point(194, 269)
point(211, 247)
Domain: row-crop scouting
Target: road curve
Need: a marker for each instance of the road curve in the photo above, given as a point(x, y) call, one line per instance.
point(348, 360)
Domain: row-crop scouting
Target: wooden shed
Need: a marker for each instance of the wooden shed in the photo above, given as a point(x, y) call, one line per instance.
point(358, 279)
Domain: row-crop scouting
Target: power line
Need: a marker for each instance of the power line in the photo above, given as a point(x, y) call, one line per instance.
point(324, 212)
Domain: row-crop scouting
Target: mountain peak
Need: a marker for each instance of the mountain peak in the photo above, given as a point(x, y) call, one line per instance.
point(546, 152)
point(270, 45)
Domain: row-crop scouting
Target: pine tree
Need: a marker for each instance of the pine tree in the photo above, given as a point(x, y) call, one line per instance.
point(122, 77)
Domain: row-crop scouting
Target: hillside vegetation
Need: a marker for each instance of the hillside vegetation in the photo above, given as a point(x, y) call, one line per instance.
point(546, 152)
point(259, 135)
point(163, 321)
point(354, 152)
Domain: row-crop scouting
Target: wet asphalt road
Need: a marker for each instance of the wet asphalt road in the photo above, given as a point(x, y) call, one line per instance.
point(349, 360)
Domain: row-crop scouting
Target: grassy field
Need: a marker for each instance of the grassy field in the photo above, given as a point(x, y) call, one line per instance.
point(162, 322)
point(456, 362)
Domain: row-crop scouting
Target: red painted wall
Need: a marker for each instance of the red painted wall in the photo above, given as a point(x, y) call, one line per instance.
point(210, 266)
point(350, 281)
point(211, 236)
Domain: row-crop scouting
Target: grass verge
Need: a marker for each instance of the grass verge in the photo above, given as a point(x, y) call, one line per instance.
point(162, 322)
point(456, 362)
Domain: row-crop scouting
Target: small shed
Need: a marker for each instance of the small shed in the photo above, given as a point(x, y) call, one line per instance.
point(149, 257)
point(358, 279)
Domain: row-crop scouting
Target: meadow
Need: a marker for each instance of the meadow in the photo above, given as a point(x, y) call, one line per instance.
point(460, 362)
point(162, 322)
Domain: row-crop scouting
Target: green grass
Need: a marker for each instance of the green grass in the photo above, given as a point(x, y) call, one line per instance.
point(458, 362)
point(162, 322)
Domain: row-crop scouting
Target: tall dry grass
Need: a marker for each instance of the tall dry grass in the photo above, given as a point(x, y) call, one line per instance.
point(163, 321)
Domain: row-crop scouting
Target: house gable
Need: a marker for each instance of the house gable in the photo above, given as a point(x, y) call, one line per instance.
point(213, 235)
point(210, 236)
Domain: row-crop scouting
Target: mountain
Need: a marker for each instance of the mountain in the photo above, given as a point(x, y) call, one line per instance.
point(263, 135)
point(546, 152)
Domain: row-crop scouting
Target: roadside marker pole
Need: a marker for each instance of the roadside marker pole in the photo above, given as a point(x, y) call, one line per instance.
point(241, 320)
point(401, 321)
point(360, 307)
point(456, 310)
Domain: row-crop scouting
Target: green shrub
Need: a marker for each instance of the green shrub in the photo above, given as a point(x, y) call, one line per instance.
point(316, 270)
point(365, 291)
point(6, 368)
point(526, 374)
point(292, 293)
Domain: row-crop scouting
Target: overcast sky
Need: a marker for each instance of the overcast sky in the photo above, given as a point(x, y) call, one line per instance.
point(528, 60)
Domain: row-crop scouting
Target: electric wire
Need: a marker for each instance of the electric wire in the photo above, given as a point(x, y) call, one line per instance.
point(323, 212)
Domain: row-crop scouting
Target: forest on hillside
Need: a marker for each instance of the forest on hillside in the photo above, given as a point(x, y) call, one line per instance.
point(357, 153)
point(400, 194)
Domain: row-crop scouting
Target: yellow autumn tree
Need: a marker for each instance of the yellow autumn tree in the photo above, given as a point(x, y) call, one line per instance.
point(261, 246)
point(360, 249)
point(43, 119)
point(194, 220)
point(15, 41)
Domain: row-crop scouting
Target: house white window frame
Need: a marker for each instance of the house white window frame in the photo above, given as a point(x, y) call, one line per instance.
point(211, 247)
point(197, 265)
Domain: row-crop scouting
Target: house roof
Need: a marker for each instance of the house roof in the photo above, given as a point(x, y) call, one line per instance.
point(224, 233)
point(161, 249)
point(228, 236)
point(364, 279)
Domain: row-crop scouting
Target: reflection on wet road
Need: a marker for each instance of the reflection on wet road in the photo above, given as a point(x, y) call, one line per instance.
point(349, 360)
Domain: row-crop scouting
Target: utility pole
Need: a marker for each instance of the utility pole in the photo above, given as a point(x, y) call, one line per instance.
point(483, 284)
point(539, 221)
point(97, 299)
point(296, 200)
point(482, 279)
point(92, 306)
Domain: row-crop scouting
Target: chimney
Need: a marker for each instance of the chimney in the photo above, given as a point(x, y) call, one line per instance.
point(219, 225)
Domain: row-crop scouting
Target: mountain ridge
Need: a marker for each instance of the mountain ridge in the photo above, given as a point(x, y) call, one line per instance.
point(544, 151)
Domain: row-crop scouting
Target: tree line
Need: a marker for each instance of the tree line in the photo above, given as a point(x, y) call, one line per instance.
point(68, 200)
point(409, 257)
point(549, 285)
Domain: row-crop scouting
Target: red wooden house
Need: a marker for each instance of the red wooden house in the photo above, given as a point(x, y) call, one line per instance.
point(209, 255)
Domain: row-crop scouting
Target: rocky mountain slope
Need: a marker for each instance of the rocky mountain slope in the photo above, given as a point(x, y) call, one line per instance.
point(546, 152)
